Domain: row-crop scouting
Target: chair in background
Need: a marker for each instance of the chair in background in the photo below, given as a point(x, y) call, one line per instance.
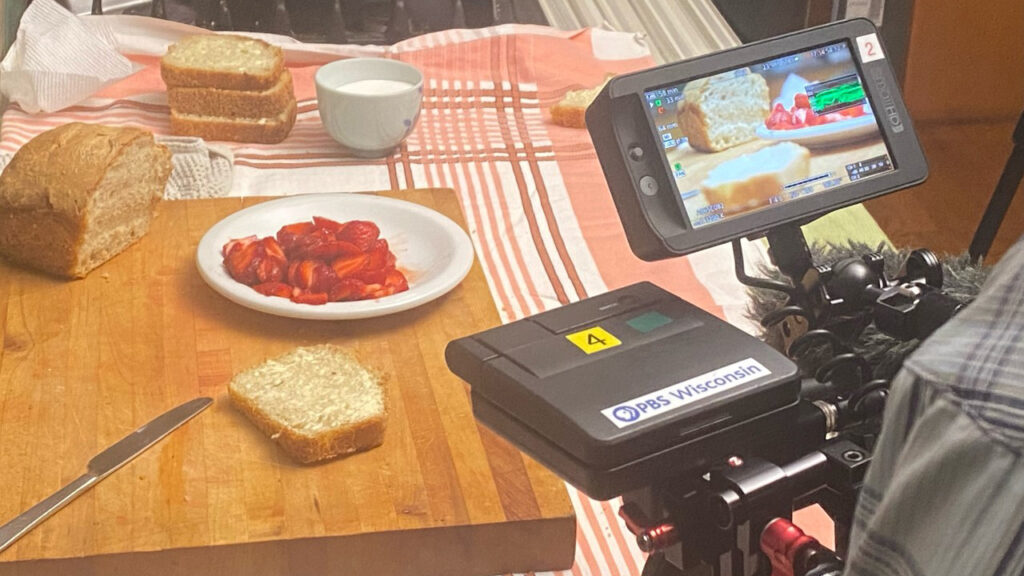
point(335, 21)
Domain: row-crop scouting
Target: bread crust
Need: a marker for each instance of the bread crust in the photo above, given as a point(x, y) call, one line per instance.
point(176, 76)
point(569, 116)
point(234, 103)
point(47, 187)
point(235, 129)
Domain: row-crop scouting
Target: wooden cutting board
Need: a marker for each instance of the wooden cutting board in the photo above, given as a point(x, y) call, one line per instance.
point(84, 363)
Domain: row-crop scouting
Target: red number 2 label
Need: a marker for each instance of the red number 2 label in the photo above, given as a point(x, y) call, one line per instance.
point(869, 48)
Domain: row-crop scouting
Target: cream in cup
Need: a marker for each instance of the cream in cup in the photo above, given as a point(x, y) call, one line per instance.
point(369, 105)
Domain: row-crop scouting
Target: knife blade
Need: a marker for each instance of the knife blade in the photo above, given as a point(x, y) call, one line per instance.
point(102, 465)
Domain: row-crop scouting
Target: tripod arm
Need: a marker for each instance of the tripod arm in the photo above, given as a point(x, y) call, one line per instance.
point(1003, 195)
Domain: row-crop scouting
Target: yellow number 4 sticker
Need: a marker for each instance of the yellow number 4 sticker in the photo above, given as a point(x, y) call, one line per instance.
point(593, 340)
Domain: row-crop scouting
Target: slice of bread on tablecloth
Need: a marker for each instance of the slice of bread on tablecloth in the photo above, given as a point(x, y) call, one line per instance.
point(723, 111)
point(751, 180)
point(224, 61)
point(572, 109)
point(258, 130)
point(76, 196)
point(234, 103)
point(316, 402)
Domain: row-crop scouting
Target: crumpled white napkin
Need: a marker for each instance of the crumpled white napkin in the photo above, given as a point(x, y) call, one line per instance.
point(57, 61)
point(200, 170)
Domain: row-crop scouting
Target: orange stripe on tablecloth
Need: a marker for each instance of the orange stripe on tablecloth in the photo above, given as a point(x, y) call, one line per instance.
point(506, 228)
point(531, 219)
point(430, 125)
point(470, 135)
point(517, 253)
point(595, 526)
point(538, 178)
point(620, 538)
point(392, 172)
point(403, 151)
point(272, 165)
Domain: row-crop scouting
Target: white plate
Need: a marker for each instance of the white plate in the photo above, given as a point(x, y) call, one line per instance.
point(831, 134)
point(434, 252)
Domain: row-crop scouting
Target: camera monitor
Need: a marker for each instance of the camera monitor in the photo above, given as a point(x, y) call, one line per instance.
point(634, 385)
point(726, 146)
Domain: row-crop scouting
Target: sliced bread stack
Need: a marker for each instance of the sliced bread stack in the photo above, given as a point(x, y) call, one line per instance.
point(228, 87)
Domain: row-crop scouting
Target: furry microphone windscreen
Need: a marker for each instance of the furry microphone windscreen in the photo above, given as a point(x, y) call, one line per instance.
point(962, 280)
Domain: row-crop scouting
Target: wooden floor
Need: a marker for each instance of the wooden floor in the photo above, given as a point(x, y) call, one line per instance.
point(965, 162)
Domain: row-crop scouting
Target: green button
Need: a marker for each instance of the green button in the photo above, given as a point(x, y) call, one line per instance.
point(648, 321)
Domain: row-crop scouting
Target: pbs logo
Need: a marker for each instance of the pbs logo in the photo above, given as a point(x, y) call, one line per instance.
point(626, 413)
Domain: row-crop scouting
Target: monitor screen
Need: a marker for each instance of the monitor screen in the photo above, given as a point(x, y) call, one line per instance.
point(743, 140)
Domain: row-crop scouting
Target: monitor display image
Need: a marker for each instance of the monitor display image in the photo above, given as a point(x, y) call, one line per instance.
point(746, 139)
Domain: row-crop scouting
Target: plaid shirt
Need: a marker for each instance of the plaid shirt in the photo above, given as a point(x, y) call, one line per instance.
point(945, 491)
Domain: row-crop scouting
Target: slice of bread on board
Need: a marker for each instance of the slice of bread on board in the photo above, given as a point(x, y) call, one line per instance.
point(316, 402)
point(750, 181)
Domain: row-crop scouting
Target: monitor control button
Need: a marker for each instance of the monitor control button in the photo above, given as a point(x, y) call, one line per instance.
point(636, 153)
point(648, 185)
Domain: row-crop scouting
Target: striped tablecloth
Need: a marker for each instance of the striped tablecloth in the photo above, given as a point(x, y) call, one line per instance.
point(539, 211)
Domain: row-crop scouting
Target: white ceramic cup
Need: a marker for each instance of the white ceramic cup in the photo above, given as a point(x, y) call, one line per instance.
point(369, 122)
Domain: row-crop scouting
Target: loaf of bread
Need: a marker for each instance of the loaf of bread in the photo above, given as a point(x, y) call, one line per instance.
point(234, 103)
point(723, 111)
point(224, 61)
point(571, 110)
point(751, 180)
point(76, 196)
point(237, 129)
point(316, 402)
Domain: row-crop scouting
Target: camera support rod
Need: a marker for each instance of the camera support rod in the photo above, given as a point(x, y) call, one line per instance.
point(1003, 195)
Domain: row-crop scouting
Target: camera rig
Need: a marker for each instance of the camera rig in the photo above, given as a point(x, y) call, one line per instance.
point(714, 524)
point(712, 437)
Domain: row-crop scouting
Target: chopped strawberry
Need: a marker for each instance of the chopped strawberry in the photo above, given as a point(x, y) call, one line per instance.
point(237, 243)
point(274, 289)
point(316, 262)
point(362, 233)
point(330, 250)
point(324, 278)
point(328, 224)
point(802, 101)
point(347, 289)
point(378, 255)
point(310, 298)
point(371, 276)
point(273, 249)
point(397, 280)
point(348, 265)
point(243, 262)
point(302, 273)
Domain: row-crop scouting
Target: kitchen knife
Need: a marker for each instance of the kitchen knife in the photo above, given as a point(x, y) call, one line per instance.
point(101, 466)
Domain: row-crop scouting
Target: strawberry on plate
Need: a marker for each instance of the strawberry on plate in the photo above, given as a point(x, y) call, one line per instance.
point(317, 262)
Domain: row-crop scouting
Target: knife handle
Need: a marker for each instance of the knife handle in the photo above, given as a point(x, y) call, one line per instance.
point(15, 529)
